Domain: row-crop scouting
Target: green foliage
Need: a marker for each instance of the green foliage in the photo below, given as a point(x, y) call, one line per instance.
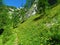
point(15, 19)
point(22, 13)
point(37, 30)
point(3, 17)
point(43, 31)
point(41, 6)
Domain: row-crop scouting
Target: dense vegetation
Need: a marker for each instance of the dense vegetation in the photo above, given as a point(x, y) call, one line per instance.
point(42, 28)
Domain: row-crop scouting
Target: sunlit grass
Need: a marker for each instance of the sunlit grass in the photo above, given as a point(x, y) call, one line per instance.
point(44, 31)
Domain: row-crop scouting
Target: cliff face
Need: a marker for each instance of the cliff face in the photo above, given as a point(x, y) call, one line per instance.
point(40, 6)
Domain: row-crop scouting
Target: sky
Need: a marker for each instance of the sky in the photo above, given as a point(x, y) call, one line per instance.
point(15, 3)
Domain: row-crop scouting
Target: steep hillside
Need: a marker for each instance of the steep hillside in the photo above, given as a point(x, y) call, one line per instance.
point(38, 30)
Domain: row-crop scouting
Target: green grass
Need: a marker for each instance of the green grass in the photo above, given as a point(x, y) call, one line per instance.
point(45, 31)
point(42, 31)
point(1, 40)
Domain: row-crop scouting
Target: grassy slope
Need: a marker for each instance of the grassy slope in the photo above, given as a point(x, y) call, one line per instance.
point(38, 32)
